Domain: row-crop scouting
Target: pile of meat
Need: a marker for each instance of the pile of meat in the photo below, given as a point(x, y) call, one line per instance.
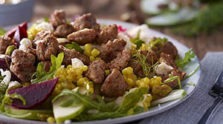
point(84, 29)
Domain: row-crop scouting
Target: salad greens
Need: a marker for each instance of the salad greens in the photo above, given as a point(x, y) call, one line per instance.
point(41, 75)
point(79, 106)
point(75, 46)
point(137, 41)
point(187, 58)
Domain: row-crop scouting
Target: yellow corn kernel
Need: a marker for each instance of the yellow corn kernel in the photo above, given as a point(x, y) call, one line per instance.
point(95, 52)
point(87, 49)
point(147, 98)
point(144, 82)
point(50, 120)
point(129, 76)
point(155, 81)
point(107, 72)
point(86, 84)
point(92, 58)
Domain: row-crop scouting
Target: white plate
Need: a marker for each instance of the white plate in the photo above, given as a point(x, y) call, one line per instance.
point(152, 111)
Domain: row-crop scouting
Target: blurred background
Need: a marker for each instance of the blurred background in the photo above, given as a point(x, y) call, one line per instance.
point(196, 23)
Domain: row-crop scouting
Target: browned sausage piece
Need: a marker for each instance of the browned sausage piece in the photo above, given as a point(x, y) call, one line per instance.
point(110, 50)
point(168, 59)
point(96, 71)
point(170, 49)
point(82, 36)
point(137, 68)
point(46, 48)
point(175, 72)
point(42, 35)
point(4, 43)
point(151, 56)
point(22, 65)
point(58, 17)
point(107, 33)
point(86, 21)
point(72, 53)
point(121, 61)
point(114, 85)
point(63, 30)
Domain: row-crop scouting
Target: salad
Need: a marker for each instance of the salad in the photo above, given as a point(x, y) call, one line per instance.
point(59, 70)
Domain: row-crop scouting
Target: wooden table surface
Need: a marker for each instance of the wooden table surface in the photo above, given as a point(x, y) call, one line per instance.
point(112, 9)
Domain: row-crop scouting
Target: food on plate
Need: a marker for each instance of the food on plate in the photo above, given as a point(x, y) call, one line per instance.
point(81, 70)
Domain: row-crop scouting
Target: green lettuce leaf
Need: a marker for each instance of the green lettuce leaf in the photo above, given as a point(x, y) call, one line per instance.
point(41, 75)
point(128, 107)
point(75, 46)
point(187, 58)
point(137, 41)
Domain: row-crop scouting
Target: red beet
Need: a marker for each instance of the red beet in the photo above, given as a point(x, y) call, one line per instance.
point(18, 33)
point(34, 94)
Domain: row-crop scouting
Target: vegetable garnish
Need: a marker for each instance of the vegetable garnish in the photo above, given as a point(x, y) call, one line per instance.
point(75, 46)
point(137, 40)
point(42, 75)
point(187, 58)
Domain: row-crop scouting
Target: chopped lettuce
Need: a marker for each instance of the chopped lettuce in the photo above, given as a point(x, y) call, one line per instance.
point(137, 41)
point(187, 58)
point(75, 46)
point(27, 114)
point(81, 106)
point(155, 42)
point(41, 75)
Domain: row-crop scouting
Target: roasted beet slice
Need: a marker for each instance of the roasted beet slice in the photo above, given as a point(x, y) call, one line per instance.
point(34, 94)
point(18, 33)
point(11, 32)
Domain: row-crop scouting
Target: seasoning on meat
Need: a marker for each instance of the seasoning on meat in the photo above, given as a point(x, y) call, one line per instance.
point(121, 61)
point(107, 33)
point(166, 58)
point(86, 21)
point(58, 18)
point(82, 36)
point(22, 65)
point(46, 48)
point(170, 49)
point(42, 35)
point(72, 53)
point(96, 71)
point(110, 50)
point(63, 30)
point(114, 84)
point(4, 43)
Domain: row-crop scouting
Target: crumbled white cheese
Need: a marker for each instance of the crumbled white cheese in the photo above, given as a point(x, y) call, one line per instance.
point(163, 68)
point(44, 26)
point(145, 33)
point(7, 76)
point(25, 43)
point(13, 84)
point(76, 63)
point(125, 37)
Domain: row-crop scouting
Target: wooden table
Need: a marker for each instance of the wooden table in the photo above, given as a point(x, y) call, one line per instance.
point(112, 9)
